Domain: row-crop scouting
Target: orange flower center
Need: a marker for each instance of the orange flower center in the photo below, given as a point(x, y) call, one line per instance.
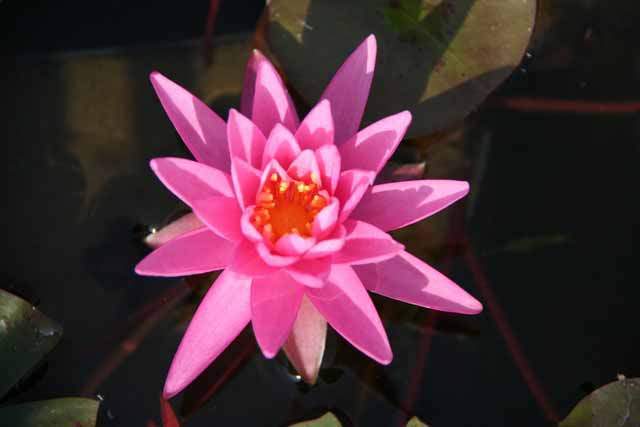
point(284, 207)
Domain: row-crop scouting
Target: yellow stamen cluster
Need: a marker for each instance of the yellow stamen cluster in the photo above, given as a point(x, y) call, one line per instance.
point(284, 207)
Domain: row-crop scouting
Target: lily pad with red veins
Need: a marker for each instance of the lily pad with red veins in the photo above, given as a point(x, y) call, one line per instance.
point(438, 58)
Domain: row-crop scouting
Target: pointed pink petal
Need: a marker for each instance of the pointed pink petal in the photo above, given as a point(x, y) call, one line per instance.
point(326, 220)
point(370, 148)
point(246, 181)
point(293, 244)
point(305, 167)
point(248, 88)
point(271, 101)
point(397, 204)
point(247, 263)
point(365, 244)
point(310, 272)
point(275, 301)
point(329, 163)
point(328, 246)
point(221, 215)
point(274, 260)
point(191, 181)
point(344, 302)
point(246, 141)
point(316, 129)
point(180, 226)
point(352, 186)
point(281, 146)
point(408, 279)
point(199, 251)
point(201, 129)
point(221, 316)
point(305, 345)
point(349, 89)
point(248, 230)
point(273, 167)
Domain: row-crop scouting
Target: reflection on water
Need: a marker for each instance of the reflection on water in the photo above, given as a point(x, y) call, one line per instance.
point(551, 219)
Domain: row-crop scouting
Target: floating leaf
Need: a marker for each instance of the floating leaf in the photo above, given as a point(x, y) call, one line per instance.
point(26, 336)
point(67, 412)
point(327, 420)
point(415, 422)
point(439, 59)
point(615, 404)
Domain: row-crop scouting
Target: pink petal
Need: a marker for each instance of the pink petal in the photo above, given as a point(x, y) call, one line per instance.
point(180, 226)
point(221, 316)
point(201, 129)
point(293, 244)
point(191, 181)
point(310, 272)
point(329, 163)
point(246, 141)
point(246, 182)
point(271, 101)
point(248, 88)
point(352, 186)
point(326, 220)
point(344, 302)
point(196, 252)
point(247, 263)
point(397, 204)
point(305, 345)
point(281, 146)
point(316, 130)
point(248, 230)
point(273, 167)
point(221, 215)
point(408, 279)
point(349, 89)
point(274, 260)
point(275, 301)
point(305, 167)
point(328, 246)
point(370, 148)
point(365, 244)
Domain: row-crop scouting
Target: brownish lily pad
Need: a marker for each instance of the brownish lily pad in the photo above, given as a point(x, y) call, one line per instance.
point(67, 412)
point(615, 404)
point(438, 58)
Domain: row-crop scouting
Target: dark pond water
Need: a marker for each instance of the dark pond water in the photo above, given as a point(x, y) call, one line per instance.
point(551, 218)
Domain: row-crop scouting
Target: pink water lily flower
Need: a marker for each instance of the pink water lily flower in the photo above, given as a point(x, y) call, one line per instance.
point(288, 209)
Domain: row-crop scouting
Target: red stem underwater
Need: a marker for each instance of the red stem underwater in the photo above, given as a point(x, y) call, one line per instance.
point(566, 106)
point(210, 26)
point(519, 358)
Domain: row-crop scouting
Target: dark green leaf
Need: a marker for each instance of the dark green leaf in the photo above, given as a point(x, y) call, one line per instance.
point(615, 404)
point(460, 51)
point(68, 412)
point(26, 336)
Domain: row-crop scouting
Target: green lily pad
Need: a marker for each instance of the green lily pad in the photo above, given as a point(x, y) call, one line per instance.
point(327, 420)
point(26, 336)
point(67, 412)
point(438, 58)
point(615, 404)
